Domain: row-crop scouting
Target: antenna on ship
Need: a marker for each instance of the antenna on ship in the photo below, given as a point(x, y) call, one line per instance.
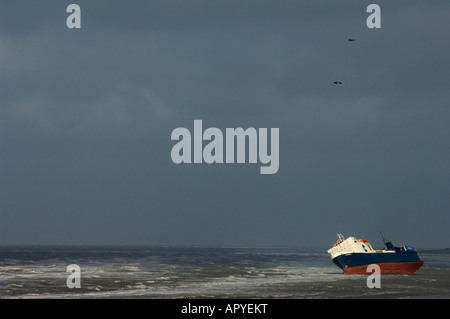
point(388, 244)
point(384, 241)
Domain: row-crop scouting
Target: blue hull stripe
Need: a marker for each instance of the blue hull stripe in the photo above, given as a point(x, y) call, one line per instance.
point(362, 259)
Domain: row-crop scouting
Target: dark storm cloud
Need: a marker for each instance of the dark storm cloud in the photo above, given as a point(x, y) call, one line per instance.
point(86, 117)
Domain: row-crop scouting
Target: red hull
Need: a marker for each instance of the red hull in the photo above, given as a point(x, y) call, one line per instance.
point(406, 268)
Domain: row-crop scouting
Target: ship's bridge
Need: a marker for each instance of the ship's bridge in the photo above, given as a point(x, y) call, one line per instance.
point(350, 245)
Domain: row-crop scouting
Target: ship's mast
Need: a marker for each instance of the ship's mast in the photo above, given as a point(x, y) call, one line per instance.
point(384, 241)
point(388, 244)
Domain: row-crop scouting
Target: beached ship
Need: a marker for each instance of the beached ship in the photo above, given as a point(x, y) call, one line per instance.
point(353, 256)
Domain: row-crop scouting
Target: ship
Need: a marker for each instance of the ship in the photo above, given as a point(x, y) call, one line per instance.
point(353, 256)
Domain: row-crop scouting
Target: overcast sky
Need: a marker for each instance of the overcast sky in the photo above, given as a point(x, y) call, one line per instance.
point(86, 117)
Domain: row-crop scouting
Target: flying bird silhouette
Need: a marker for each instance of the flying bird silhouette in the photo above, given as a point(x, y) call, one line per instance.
point(337, 82)
point(351, 40)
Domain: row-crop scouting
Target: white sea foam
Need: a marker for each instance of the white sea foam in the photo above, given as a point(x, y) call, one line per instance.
point(207, 273)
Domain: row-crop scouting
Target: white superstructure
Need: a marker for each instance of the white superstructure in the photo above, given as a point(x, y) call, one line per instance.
point(350, 245)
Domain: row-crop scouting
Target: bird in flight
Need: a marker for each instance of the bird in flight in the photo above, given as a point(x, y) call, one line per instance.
point(337, 82)
point(351, 40)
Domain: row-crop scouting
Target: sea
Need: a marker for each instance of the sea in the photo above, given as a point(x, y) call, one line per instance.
point(178, 272)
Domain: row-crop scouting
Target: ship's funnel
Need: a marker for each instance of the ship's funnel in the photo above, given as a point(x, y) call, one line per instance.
point(389, 245)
